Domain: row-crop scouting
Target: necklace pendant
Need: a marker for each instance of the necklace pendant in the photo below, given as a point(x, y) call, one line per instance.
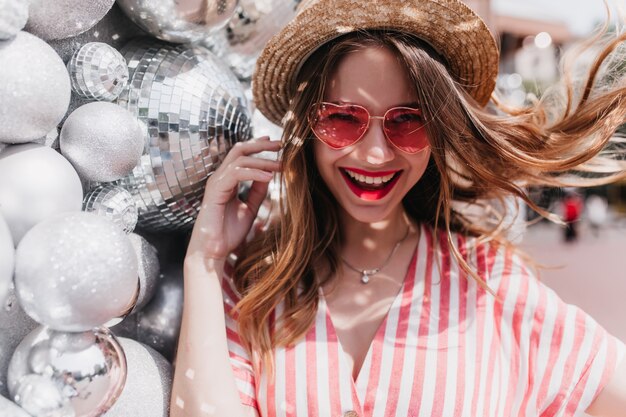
point(365, 278)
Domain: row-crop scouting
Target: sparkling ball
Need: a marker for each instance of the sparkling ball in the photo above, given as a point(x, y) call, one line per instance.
point(148, 384)
point(61, 19)
point(98, 72)
point(148, 269)
point(10, 409)
point(42, 397)
point(195, 109)
point(179, 21)
point(7, 259)
point(114, 203)
point(36, 182)
point(34, 89)
point(13, 17)
point(75, 271)
point(69, 374)
point(252, 25)
point(103, 141)
point(14, 325)
point(158, 324)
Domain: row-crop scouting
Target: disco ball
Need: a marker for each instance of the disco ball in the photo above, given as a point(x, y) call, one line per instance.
point(195, 109)
point(179, 21)
point(98, 72)
point(114, 203)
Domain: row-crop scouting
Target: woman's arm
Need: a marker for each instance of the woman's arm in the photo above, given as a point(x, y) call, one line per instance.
point(204, 381)
point(611, 402)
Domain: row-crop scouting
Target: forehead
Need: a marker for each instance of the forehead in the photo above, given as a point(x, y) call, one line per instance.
point(373, 77)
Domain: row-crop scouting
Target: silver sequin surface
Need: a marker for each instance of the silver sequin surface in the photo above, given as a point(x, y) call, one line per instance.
point(179, 21)
point(13, 17)
point(114, 203)
point(79, 374)
point(15, 324)
point(61, 19)
point(148, 384)
point(195, 109)
point(98, 72)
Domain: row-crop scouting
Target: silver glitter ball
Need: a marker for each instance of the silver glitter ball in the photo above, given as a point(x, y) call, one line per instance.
point(113, 202)
point(98, 72)
point(102, 141)
point(13, 17)
point(149, 269)
point(15, 324)
point(75, 271)
point(158, 324)
point(34, 89)
point(195, 109)
point(148, 384)
point(252, 25)
point(61, 19)
point(7, 259)
point(10, 409)
point(179, 21)
point(36, 182)
point(71, 374)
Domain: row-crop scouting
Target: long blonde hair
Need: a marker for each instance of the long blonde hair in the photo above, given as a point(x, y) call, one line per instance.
point(477, 155)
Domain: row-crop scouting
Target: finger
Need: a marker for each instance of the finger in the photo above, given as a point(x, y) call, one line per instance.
point(255, 162)
point(256, 195)
point(253, 146)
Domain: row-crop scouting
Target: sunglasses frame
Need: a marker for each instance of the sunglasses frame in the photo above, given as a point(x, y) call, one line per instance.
point(315, 108)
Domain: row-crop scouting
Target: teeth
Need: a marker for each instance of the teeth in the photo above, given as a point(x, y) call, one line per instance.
point(369, 180)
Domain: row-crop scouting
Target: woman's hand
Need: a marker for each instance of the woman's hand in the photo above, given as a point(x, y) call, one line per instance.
point(224, 220)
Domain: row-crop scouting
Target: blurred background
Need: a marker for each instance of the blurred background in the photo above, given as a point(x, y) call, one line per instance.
point(586, 265)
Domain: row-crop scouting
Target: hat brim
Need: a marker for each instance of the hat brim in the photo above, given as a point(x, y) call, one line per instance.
point(449, 26)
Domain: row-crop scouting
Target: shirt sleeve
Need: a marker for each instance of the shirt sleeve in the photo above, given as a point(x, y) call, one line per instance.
point(239, 357)
point(570, 357)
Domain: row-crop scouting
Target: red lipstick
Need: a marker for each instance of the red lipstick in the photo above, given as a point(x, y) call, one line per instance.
point(368, 194)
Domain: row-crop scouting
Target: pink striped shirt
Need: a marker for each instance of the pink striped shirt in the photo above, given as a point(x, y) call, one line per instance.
point(445, 348)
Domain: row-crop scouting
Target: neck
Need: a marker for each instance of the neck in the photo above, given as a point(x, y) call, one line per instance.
point(372, 240)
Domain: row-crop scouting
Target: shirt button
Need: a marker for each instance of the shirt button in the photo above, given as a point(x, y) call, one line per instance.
point(350, 413)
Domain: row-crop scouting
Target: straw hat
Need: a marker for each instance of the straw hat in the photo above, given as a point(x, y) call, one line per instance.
point(449, 26)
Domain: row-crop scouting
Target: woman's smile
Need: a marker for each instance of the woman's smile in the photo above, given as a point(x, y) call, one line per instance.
point(368, 185)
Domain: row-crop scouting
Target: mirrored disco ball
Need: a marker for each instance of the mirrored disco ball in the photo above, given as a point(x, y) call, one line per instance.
point(195, 109)
point(179, 21)
point(98, 72)
point(114, 203)
point(245, 35)
point(77, 374)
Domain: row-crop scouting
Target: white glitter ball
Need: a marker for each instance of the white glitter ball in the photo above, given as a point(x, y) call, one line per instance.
point(98, 72)
point(60, 19)
point(103, 141)
point(75, 271)
point(13, 17)
point(34, 89)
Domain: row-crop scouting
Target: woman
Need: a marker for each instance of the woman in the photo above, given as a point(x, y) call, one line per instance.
point(373, 295)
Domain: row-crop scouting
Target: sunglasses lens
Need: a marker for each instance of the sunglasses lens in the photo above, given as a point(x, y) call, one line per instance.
point(404, 127)
point(339, 126)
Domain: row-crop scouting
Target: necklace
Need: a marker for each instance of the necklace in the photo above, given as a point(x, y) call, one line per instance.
point(367, 273)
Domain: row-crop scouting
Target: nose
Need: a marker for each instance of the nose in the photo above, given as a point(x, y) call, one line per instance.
point(375, 148)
